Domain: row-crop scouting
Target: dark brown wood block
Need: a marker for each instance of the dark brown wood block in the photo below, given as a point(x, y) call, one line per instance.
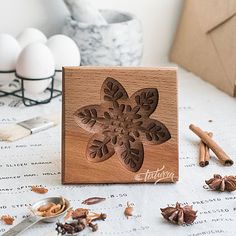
point(120, 125)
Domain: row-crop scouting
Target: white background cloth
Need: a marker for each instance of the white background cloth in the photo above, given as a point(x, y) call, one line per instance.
point(36, 160)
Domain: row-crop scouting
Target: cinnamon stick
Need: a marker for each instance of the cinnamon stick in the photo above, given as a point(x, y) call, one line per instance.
point(219, 152)
point(207, 154)
point(202, 154)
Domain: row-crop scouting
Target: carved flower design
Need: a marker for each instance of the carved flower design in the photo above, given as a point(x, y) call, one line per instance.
point(121, 125)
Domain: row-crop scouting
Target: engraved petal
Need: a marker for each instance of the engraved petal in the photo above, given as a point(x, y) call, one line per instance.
point(112, 90)
point(146, 99)
point(90, 118)
point(99, 148)
point(131, 155)
point(153, 132)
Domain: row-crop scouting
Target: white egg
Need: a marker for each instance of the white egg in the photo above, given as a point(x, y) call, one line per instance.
point(64, 50)
point(31, 35)
point(36, 61)
point(9, 52)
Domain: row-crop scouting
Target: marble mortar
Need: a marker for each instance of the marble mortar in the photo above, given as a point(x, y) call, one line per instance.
point(119, 43)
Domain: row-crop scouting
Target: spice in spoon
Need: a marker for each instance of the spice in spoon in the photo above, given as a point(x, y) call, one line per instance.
point(51, 209)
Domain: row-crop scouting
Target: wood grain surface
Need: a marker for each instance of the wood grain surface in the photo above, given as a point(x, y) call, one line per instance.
point(81, 87)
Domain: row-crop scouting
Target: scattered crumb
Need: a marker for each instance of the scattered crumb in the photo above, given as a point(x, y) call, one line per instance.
point(40, 190)
point(128, 210)
point(80, 213)
point(68, 214)
point(8, 220)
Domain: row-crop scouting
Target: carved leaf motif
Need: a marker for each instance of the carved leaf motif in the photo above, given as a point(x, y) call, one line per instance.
point(122, 125)
point(131, 155)
point(99, 148)
point(90, 118)
point(146, 99)
point(112, 90)
point(154, 132)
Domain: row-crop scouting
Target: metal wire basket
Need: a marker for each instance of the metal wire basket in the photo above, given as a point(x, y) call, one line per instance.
point(19, 90)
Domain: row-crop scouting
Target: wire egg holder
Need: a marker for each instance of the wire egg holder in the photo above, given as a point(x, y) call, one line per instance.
point(20, 92)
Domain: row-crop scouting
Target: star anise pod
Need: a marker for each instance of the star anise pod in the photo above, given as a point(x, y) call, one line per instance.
point(219, 183)
point(179, 215)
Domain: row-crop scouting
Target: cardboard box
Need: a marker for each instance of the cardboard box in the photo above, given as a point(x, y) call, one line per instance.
point(205, 42)
point(120, 125)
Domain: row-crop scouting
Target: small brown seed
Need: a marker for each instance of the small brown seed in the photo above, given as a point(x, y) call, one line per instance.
point(93, 200)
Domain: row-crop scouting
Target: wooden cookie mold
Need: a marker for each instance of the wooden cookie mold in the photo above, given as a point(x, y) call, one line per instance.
point(113, 124)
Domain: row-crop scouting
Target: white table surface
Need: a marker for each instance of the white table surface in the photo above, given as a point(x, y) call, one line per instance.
point(36, 160)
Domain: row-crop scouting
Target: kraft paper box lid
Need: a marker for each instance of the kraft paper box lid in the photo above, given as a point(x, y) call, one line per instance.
point(205, 42)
